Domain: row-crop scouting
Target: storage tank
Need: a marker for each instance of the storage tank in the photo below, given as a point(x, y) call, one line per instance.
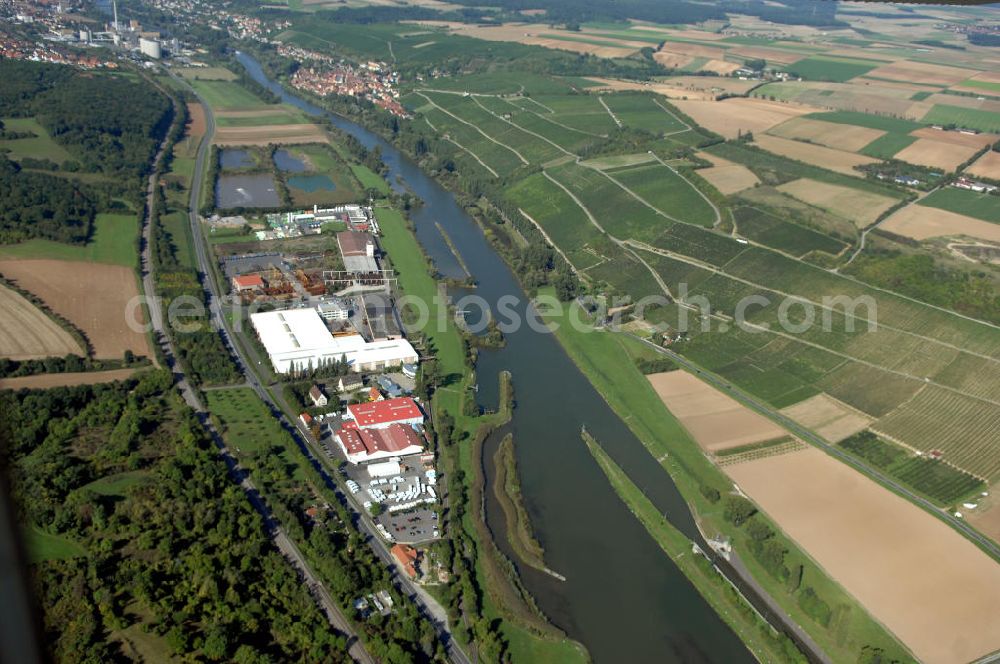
point(150, 48)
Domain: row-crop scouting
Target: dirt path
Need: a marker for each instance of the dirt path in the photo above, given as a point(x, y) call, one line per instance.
point(610, 112)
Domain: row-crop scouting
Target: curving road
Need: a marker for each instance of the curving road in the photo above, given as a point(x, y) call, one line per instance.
point(428, 606)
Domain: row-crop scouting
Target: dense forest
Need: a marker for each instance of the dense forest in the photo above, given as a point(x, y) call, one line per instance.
point(153, 543)
point(109, 122)
point(43, 206)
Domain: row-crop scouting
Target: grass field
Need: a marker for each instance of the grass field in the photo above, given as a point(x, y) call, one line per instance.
point(43, 546)
point(42, 146)
point(322, 160)
point(970, 203)
point(206, 73)
point(249, 427)
point(115, 241)
point(643, 112)
point(972, 118)
point(827, 68)
point(886, 147)
point(289, 116)
point(226, 94)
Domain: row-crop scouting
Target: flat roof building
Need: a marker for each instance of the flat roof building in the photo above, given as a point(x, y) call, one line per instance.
point(358, 251)
point(298, 340)
point(381, 414)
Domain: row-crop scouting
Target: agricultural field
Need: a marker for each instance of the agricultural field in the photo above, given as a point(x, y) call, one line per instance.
point(815, 155)
point(668, 191)
point(827, 68)
point(940, 420)
point(644, 112)
point(716, 421)
point(731, 117)
point(264, 117)
point(283, 134)
point(969, 203)
point(833, 135)
point(98, 299)
point(833, 512)
point(114, 242)
point(828, 417)
point(919, 72)
point(987, 166)
point(68, 379)
point(860, 207)
point(943, 155)
point(726, 176)
point(782, 234)
point(27, 333)
point(944, 114)
point(921, 222)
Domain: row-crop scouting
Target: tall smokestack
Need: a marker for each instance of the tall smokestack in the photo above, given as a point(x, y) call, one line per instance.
point(114, 4)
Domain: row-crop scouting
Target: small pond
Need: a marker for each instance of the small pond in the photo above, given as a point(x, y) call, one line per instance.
point(288, 163)
point(230, 159)
point(246, 191)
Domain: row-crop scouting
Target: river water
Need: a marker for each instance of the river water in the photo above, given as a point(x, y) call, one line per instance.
point(623, 598)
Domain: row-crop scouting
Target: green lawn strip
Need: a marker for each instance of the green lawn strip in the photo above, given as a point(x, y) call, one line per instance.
point(115, 241)
point(116, 485)
point(43, 546)
point(887, 145)
point(369, 179)
point(753, 630)
point(973, 204)
point(602, 357)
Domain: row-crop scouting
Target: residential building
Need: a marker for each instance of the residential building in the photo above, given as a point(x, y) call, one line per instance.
point(317, 397)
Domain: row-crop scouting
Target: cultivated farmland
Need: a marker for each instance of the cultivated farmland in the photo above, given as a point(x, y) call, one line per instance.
point(921, 222)
point(839, 136)
point(727, 176)
point(969, 203)
point(834, 160)
point(861, 207)
point(828, 417)
point(715, 420)
point(987, 166)
point(876, 544)
point(96, 298)
point(936, 154)
point(731, 116)
point(27, 333)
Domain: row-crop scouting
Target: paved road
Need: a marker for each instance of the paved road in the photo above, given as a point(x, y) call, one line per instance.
point(281, 540)
point(430, 608)
point(983, 542)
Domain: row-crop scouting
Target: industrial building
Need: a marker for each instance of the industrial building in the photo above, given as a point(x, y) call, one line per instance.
point(370, 445)
point(299, 340)
point(358, 251)
point(383, 414)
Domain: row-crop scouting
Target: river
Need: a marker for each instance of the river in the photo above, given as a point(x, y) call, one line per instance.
point(623, 598)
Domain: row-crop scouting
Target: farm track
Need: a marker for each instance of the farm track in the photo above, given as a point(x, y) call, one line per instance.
point(718, 215)
point(610, 112)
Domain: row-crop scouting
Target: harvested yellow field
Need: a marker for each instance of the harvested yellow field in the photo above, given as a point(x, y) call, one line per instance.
point(726, 176)
point(27, 333)
point(720, 67)
point(534, 34)
point(936, 154)
point(94, 297)
point(817, 155)
point(934, 589)
point(830, 134)
point(828, 417)
point(987, 166)
point(45, 381)
point(263, 135)
point(920, 223)
point(977, 141)
point(672, 60)
point(776, 55)
point(920, 72)
point(695, 50)
point(860, 207)
point(729, 117)
point(715, 420)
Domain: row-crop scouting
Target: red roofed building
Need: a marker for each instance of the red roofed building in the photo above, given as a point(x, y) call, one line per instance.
point(375, 395)
point(245, 282)
point(381, 414)
point(366, 445)
point(407, 557)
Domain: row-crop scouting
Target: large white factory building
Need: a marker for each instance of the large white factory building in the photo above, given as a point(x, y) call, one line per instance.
point(298, 339)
